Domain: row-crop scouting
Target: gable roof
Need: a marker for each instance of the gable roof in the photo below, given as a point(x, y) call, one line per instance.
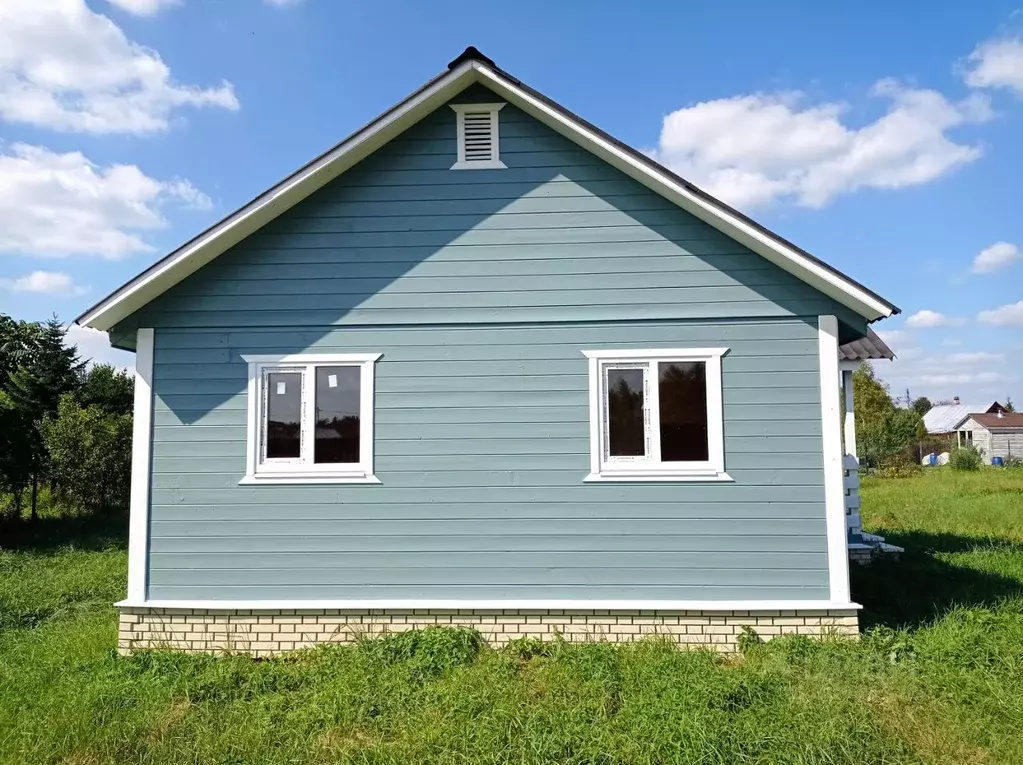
point(869, 347)
point(471, 67)
point(1010, 421)
point(945, 418)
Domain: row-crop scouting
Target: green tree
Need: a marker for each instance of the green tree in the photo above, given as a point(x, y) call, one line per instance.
point(15, 448)
point(111, 389)
point(922, 405)
point(1009, 406)
point(89, 450)
point(44, 369)
point(17, 341)
point(882, 429)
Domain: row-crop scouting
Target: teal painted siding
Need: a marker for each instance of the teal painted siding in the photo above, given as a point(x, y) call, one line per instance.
point(482, 443)
point(481, 288)
point(558, 236)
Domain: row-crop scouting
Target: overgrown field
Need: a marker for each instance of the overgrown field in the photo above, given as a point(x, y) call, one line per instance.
point(939, 678)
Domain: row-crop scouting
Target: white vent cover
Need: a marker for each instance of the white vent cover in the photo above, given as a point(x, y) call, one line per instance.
point(478, 137)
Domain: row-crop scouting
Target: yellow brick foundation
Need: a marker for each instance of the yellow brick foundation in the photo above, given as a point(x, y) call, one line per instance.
point(266, 633)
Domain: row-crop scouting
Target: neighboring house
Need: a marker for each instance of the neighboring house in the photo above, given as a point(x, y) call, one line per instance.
point(945, 419)
point(482, 363)
point(996, 435)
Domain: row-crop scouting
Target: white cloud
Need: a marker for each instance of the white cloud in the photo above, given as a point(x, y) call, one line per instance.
point(999, 255)
point(926, 319)
point(996, 63)
point(64, 67)
point(94, 346)
point(940, 376)
point(143, 7)
point(44, 283)
point(975, 357)
point(961, 378)
point(895, 336)
point(62, 204)
point(756, 149)
point(1005, 316)
point(948, 342)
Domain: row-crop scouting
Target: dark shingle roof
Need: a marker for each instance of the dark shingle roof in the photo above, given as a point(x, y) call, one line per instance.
point(995, 422)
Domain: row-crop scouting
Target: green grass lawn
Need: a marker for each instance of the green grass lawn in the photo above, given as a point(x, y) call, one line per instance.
point(937, 679)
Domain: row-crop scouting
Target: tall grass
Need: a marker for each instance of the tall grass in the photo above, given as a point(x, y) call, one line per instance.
point(925, 685)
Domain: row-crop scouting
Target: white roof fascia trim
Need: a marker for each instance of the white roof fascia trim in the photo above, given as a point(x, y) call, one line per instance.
point(831, 284)
point(272, 203)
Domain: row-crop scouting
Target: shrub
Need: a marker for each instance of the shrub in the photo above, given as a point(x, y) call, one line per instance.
point(90, 455)
point(900, 465)
point(749, 640)
point(965, 458)
point(527, 648)
point(425, 652)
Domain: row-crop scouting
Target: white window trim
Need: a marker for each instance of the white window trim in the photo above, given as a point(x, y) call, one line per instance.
point(294, 471)
point(491, 164)
point(653, 469)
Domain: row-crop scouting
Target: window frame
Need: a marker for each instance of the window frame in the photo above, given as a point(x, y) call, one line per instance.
point(494, 163)
point(259, 470)
point(603, 467)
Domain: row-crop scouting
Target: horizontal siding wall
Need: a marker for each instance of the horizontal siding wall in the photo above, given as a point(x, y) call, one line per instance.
point(481, 288)
point(557, 236)
point(1004, 444)
point(482, 444)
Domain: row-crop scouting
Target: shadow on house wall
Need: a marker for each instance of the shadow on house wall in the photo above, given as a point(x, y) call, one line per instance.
point(402, 240)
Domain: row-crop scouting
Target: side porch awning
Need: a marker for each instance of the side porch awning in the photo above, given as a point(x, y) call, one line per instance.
point(865, 349)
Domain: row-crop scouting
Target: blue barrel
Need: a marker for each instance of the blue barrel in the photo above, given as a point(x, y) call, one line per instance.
point(996, 461)
point(932, 459)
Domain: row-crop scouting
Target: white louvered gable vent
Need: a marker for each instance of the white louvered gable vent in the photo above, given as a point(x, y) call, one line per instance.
point(478, 137)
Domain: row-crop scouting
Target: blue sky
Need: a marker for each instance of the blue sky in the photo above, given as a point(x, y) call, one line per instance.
point(884, 138)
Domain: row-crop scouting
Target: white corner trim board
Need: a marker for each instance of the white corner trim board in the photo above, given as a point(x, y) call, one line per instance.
point(204, 248)
point(488, 605)
point(831, 444)
point(141, 446)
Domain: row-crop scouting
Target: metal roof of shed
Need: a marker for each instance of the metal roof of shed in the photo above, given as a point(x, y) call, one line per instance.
point(945, 418)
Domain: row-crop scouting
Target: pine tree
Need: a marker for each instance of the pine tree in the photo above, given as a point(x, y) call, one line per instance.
point(44, 371)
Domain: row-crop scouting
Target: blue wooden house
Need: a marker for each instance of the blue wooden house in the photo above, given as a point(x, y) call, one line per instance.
point(481, 363)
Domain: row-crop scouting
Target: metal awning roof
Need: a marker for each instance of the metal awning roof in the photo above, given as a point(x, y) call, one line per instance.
point(866, 348)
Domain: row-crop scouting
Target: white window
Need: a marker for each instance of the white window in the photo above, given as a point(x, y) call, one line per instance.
point(478, 137)
point(656, 415)
point(310, 418)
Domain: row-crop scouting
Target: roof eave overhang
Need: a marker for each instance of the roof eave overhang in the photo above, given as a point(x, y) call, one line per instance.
point(685, 196)
point(231, 230)
point(264, 208)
